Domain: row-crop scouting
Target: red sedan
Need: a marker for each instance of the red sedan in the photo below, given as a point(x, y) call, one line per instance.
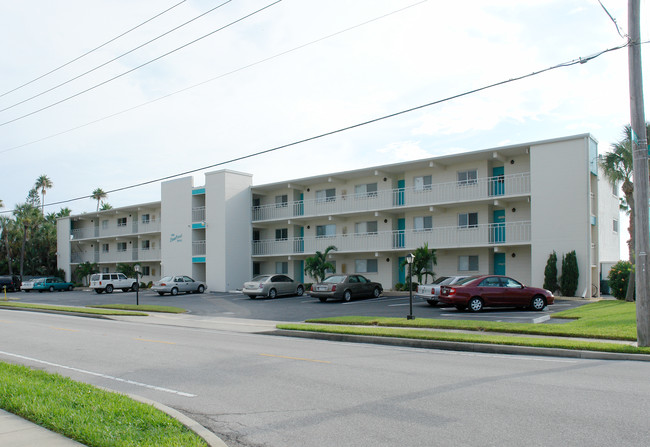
point(485, 291)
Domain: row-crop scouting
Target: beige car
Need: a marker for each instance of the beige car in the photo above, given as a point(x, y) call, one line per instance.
point(272, 286)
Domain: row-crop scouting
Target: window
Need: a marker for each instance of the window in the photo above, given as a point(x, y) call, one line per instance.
point(326, 230)
point(105, 269)
point(145, 245)
point(468, 263)
point(333, 269)
point(104, 248)
point(366, 190)
point(615, 189)
point(121, 221)
point(366, 227)
point(421, 183)
point(468, 177)
point(365, 265)
point(121, 246)
point(104, 224)
point(615, 225)
point(468, 220)
point(145, 218)
point(256, 268)
point(145, 270)
point(281, 234)
point(282, 201)
point(282, 267)
point(326, 195)
point(422, 223)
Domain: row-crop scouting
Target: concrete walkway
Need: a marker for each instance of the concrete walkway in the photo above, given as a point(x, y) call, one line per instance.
point(17, 432)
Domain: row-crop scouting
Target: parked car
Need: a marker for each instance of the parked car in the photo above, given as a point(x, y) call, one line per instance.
point(345, 287)
point(28, 284)
point(51, 284)
point(431, 292)
point(107, 282)
point(11, 282)
point(476, 292)
point(175, 284)
point(272, 286)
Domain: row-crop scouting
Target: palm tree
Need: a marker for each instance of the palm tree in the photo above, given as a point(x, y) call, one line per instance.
point(7, 226)
point(2, 205)
point(618, 168)
point(98, 195)
point(43, 183)
point(316, 266)
point(424, 259)
point(106, 206)
point(28, 218)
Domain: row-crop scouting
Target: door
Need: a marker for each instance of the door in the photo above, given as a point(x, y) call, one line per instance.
point(499, 263)
point(401, 276)
point(497, 182)
point(400, 192)
point(401, 229)
point(499, 227)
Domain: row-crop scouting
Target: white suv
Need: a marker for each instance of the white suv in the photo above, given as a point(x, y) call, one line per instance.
point(107, 282)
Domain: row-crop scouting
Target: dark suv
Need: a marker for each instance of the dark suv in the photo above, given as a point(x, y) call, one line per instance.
point(11, 282)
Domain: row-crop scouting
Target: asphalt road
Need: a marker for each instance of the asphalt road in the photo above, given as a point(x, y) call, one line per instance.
point(262, 390)
point(292, 309)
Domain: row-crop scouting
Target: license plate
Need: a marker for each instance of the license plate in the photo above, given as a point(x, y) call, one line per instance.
point(322, 288)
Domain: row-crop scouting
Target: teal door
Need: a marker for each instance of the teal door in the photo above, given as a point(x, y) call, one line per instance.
point(300, 274)
point(497, 181)
point(400, 192)
point(401, 270)
point(401, 228)
point(499, 227)
point(299, 208)
point(300, 246)
point(499, 263)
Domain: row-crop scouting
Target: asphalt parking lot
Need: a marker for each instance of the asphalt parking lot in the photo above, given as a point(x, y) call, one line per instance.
point(294, 309)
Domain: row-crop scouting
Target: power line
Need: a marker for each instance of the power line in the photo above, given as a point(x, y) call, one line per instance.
point(114, 59)
point(93, 50)
point(139, 66)
point(618, 28)
point(580, 60)
point(215, 78)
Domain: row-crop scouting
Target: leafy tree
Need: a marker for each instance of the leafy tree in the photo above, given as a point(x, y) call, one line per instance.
point(316, 266)
point(43, 183)
point(106, 206)
point(127, 269)
point(550, 273)
point(65, 212)
point(99, 195)
point(2, 205)
point(619, 278)
point(86, 269)
point(423, 262)
point(7, 231)
point(570, 274)
point(33, 198)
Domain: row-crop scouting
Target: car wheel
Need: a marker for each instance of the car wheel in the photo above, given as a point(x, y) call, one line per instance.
point(161, 293)
point(273, 293)
point(347, 296)
point(109, 289)
point(201, 289)
point(376, 292)
point(51, 289)
point(98, 291)
point(322, 299)
point(300, 290)
point(70, 288)
point(174, 291)
point(432, 303)
point(475, 304)
point(538, 303)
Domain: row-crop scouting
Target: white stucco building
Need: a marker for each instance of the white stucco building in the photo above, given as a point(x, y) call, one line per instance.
point(501, 210)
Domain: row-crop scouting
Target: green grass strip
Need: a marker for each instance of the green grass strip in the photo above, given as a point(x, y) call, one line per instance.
point(614, 320)
point(89, 415)
point(470, 338)
point(142, 307)
point(79, 310)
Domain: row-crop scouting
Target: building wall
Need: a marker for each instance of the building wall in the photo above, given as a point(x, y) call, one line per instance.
point(63, 246)
point(176, 226)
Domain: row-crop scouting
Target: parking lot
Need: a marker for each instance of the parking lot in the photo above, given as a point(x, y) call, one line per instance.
point(292, 309)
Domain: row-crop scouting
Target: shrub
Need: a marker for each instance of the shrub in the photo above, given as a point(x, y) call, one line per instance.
point(398, 287)
point(619, 277)
point(570, 274)
point(550, 273)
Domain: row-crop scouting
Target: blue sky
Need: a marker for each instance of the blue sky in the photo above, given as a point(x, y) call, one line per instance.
point(429, 51)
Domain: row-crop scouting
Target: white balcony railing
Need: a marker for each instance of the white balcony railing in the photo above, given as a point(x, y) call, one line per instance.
point(127, 256)
point(445, 237)
point(198, 214)
point(439, 193)
point(152, 226)
point(198, 248)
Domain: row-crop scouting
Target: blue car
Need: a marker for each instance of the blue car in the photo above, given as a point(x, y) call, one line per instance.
point(51, 284)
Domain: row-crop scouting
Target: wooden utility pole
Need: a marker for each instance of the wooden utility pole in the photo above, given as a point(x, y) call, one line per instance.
point(641, 182)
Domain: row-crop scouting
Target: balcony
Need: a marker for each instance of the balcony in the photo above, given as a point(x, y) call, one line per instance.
point(198, 248)
point(445, 237)
point(127, 256)
point(434, 194)
point(152, 226)
point(198, 214)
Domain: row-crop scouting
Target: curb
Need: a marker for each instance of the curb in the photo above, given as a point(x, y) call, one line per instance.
point(460, 346)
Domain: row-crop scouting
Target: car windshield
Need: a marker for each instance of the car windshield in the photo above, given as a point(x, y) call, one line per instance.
point(166, 278)
point(261, 278)
point(335, 279)
point(441, 280)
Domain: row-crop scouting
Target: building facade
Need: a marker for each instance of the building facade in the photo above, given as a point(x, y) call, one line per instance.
point(501, 211)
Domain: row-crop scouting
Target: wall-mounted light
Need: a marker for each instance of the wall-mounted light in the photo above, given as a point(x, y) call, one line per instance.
point(307, 189)
point(514, 255)
point(385, 220)
point(514, 210)
point(387, 259)
point(512, 162)
point(308, 227)
point(385, 179)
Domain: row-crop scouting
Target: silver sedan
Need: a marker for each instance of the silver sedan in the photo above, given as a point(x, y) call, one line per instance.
point(272, 286)
point(175, 284)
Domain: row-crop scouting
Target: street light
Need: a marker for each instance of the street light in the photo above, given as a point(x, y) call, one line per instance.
point(409, 261)
point(137, 284)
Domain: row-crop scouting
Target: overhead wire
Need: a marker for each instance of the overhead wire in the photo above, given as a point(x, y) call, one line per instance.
point(580, 60)
point(139, 66)
point(115, 58)
point(93, 50)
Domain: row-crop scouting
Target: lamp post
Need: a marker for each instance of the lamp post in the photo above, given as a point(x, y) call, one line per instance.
point(137, 284)
point(409, 261)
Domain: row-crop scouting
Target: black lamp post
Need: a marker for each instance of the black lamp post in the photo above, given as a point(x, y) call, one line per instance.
point(137, 284)
point(409, 261)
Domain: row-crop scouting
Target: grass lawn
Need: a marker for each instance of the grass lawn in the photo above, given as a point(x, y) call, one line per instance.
point(142, 307)
point(89, 415)
point(79, 310)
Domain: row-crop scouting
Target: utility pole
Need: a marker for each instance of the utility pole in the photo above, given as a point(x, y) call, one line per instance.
point(641, 182)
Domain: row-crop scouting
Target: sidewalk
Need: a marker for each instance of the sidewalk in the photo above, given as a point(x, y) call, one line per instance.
point(18, 432)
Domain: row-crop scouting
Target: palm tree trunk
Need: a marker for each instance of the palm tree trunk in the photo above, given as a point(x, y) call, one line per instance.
point(22, 251)
point(11, 270)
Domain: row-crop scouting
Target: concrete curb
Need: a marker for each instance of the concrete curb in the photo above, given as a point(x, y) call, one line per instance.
point(460, 346)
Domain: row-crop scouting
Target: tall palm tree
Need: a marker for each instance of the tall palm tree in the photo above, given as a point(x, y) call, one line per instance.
point(2, 205)
point(316, 266)
point(6, 227)
point(43, 183)
point(98, 195)
point(28, 218)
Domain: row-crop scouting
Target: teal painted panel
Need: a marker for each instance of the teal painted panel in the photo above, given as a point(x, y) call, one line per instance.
point(401, 270)
point(593, 220)
point(198, 259)
point(499, 263)
point(497, 181)
point(198, 225)
point(401, 236)
point(401, 184)
point(499, 227)
point(198, 191)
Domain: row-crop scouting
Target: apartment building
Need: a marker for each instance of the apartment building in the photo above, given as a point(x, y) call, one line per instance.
point(501, 211)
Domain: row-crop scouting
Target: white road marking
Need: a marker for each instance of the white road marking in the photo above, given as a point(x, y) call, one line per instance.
point(96, 374)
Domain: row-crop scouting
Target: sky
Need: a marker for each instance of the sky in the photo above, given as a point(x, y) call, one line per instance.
point(270, 73)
